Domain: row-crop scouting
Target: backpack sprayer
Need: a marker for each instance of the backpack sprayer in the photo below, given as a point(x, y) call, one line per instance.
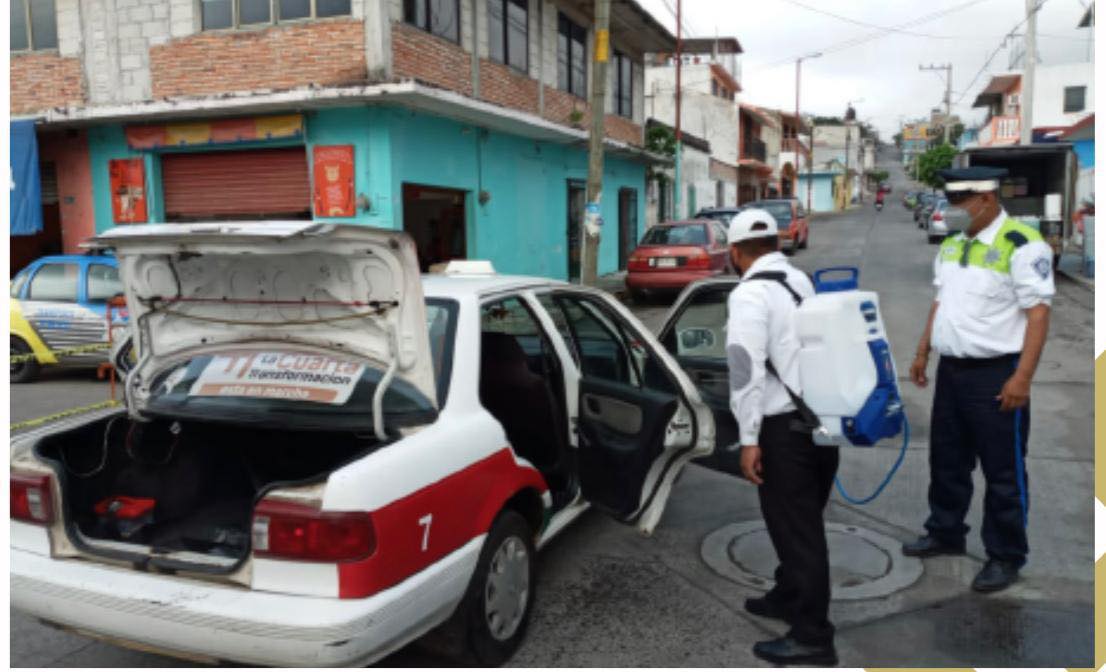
point(850, 388)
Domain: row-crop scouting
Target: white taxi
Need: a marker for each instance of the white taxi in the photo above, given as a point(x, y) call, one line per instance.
point(325, 456)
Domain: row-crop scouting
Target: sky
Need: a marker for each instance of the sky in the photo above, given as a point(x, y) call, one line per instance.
point(874, 67)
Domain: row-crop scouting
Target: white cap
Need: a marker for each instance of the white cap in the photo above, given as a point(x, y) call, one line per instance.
point(741, 226)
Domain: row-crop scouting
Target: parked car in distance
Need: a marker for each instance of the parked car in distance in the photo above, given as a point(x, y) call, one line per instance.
point(672, 255)
point(926, 201)
point(936, 227)
point(60, 302)
point(792, 220)
point(325, 455)
point(910, 200)
point(723, 214)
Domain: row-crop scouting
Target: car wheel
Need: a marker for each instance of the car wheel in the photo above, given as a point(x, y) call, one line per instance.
point(25, 371)
point(806, 241)
point(933, 240)
point(497, 605)
point(639, 297)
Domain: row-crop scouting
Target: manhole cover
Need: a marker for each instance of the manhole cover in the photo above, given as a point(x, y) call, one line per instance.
point(863, 564)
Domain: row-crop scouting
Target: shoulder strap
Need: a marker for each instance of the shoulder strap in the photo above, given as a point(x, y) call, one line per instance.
point(781, 278)
point(810, 418)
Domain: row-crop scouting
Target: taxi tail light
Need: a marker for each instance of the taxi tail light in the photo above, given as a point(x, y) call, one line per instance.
point(31, 498)
point(638, 262)
point(295, 531)
point(937, 216)
point(698, 261)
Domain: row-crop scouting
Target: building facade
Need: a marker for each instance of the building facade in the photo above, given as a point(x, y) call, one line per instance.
point(710, 73)
point(461, 122)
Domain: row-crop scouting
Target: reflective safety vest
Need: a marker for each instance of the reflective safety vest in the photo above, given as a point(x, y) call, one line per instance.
point(994, 257)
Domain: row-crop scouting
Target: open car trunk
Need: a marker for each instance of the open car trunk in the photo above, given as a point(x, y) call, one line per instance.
point(181, 494)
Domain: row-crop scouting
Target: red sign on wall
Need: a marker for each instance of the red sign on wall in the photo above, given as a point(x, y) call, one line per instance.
point(334, 181)
point(128, 190)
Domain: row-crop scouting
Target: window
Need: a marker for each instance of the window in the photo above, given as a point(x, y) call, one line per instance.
point(720, 236)
point(1074, 98)
point(103, 282)
point(572, 68)
point(624, 85)
point(220, 14)
point(17, 283)
point(438, 17)
point(33, 25)
point(55, 282)
point(680, 234)
point(507, 32)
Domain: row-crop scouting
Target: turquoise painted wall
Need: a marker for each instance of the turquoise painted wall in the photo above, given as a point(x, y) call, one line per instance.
point(522, 228)
point(821, 195)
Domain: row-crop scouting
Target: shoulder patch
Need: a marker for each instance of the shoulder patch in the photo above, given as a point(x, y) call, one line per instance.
point(1043, 266)
point(1017, 238)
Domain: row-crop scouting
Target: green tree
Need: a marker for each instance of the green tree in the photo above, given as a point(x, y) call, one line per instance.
point(934, 161)
point(661, 140)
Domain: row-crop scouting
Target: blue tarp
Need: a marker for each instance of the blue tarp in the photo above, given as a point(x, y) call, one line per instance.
point(25, 188)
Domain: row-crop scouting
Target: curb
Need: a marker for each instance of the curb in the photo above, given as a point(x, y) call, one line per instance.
point(1084, 282)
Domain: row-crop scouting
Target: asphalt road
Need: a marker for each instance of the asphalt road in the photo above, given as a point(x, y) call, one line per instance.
point(607, 596)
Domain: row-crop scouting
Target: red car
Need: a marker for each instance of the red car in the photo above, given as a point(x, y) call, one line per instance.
point(674, 254)
point(791, 218)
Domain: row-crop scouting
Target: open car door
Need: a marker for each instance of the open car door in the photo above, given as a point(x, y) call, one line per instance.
point(639, 419)
point(694, 332)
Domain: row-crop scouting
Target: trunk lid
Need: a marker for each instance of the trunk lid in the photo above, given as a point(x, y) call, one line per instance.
point(350, 290)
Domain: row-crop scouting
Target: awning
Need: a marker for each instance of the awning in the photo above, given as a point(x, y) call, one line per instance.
point(25, 188)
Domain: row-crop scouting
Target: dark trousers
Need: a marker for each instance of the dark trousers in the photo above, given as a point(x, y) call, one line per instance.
point(798, 476)
point(967, 425)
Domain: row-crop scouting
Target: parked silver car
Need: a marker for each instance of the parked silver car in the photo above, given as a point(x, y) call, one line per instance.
point(936, 225)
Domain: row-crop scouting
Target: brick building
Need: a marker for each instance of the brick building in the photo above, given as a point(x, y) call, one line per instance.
point(461, 121)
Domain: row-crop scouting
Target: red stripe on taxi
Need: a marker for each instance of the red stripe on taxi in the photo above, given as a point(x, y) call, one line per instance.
point(422, 528)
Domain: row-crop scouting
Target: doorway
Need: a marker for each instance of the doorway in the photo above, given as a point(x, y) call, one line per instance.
point(627, 224)
point(577, 200)
point(435, 218)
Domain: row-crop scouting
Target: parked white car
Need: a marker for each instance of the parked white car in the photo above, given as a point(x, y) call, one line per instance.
point(324, 456)
point(936, 226)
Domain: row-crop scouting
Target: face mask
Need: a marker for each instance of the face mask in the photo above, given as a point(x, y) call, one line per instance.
point(958, 219)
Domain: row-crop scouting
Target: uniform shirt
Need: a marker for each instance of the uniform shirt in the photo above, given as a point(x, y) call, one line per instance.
point(761, 326)
point(981, 312)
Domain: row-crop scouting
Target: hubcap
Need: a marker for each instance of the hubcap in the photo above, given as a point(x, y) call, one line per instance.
point(507, 590)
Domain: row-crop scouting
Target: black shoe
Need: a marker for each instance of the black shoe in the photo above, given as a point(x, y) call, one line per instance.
point(995, 575)
point(927, 547)
point(788, 651)
point(766, 608)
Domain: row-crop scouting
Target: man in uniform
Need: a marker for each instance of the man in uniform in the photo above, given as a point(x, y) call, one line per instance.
point(989, 323)
point(794, 476)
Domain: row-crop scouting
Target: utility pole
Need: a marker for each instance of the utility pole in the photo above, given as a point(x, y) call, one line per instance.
point(1026, 106)
point(589, 253)
point(947, 68)
point(798, 126)
point(679, 137)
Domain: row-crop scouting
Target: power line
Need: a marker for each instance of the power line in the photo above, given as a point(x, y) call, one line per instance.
point(857, 41)
point(868, 25)
point(1009, 35)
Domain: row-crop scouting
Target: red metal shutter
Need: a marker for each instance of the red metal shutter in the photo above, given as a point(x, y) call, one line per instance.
point(253, 183)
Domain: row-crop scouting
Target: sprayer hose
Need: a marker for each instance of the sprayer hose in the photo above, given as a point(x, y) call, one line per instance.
point(887, 479)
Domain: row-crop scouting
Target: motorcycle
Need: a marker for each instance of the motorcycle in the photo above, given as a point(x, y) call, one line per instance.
point(879, 206)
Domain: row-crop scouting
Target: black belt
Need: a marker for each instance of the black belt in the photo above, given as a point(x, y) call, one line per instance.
point(979, 362)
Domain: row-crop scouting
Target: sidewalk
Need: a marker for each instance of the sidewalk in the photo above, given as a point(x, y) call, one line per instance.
point(614, 283)
point(1070, 266)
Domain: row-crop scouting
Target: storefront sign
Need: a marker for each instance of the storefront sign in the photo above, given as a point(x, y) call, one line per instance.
point(333, 171)
point(128, 190)
point(218, 131)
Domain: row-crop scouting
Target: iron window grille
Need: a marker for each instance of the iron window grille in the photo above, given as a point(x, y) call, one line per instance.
point(1075, 98)
point(508, 33)
point(234, 14)
point(624, 85)
point(572, 68)
point(437, 17)
point(34, 25)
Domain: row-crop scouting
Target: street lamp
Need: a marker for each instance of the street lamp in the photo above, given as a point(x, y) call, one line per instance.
point(798, 125)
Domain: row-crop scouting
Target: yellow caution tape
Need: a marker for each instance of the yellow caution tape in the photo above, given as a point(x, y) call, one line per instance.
point(75, 350)
point(16, 426)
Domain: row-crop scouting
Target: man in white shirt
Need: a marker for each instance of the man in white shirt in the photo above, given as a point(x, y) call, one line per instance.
point(794, 476)
point(989, 323)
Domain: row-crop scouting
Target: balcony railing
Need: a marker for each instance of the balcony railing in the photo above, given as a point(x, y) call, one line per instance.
point(1001, 130)
point(754, 148)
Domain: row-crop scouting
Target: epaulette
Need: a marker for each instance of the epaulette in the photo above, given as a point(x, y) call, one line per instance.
point(1017, 238)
